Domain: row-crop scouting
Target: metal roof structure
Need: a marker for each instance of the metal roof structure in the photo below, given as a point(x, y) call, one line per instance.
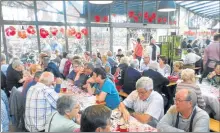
point(209, 9)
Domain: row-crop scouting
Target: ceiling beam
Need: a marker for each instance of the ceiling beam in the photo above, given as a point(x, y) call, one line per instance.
point(205, 5)
point(206, 8)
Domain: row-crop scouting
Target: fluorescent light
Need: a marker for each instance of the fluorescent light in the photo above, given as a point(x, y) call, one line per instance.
point(100, 2)
point(167, 6)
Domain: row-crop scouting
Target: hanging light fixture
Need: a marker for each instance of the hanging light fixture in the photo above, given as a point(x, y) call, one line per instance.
point(100, 2)
point(167, 6)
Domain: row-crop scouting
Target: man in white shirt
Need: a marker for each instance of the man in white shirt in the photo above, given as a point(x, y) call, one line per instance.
point(147, 104)
point(145, 63)
point(191, 58)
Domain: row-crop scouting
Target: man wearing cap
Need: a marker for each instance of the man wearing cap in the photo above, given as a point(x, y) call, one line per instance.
point(185, 115)
point(147, 104)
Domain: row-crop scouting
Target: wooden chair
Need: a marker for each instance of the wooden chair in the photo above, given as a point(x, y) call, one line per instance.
point(123, 94)
point(214, 125)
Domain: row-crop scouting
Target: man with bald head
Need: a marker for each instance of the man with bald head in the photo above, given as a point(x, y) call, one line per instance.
point(185, 115)
point(40, 103)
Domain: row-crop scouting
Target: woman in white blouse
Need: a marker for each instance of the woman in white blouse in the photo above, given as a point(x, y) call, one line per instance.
point(164, 68)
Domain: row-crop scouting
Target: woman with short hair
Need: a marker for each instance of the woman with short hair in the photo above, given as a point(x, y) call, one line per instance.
point(177, 68)
point(164, 69)
point(66, 118)
point(188, 77)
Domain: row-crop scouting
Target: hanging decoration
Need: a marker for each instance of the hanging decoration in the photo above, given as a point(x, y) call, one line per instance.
point(150, 19)
point(44, 33)
point(22, 34)
point(71, 31)
point(105, 19)
point(97, 18)
point(31, 30)
point(131, 14)
point(136, 19)
point(62, 30)
point(153, 15)
point(164, 20)
point(146, 15)
point(159, 20)
point(10, 31)
point(53, 31)
point(84, 31)
point(78, 35)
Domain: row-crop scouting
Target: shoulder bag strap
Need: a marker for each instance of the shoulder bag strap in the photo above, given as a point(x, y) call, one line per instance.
point(50, 122)
point(191, 120)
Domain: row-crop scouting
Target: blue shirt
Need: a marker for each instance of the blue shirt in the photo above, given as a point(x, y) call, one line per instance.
point(112, 62)
point(4, 112)
point(78, 82)
point(112, 98)
point(4, 68)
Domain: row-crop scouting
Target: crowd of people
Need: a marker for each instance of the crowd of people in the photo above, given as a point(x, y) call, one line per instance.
point(144, 78)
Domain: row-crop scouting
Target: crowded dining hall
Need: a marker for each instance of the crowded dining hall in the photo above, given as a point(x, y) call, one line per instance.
point(110, 66)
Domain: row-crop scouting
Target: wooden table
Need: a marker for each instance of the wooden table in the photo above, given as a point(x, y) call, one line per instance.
point(171, 84)
point(123, 94)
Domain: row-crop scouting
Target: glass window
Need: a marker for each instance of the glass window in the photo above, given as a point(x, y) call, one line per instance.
point(76, 11)
point(20, 42)
point(52, 39)
point(100, 39)
point(135, 11)
point(100, 13)
point(118, 13)
point(120, 39)
point(150, 12)
point(77, 46)
point(50, 11)
point(18, 10)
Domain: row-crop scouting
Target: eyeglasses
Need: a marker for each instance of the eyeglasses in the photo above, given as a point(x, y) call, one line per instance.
point(141, 93)
point(179, 100)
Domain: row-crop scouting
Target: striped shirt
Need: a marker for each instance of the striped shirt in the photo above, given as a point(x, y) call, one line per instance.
point(200, 101)
point(40, 104)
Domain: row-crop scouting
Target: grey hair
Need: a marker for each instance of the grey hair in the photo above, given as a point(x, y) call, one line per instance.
point(134, 63)
point(145, 82)
point(153, 66)
point(16, 63)
point(46, 78)
point(124, 60)
point(13, 59)
point(65, 104)
point(3, 57)
point(191, 96)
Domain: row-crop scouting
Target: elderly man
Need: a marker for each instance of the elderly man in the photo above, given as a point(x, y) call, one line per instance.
point(96, 61)
point(14, 75)
point(113, 63)
point(131, 76)
point(147, 104)
point(145, 63)
point(185, 115)
point(40, 103)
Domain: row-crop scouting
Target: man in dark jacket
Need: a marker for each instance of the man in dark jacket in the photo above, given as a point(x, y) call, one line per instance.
point(159, 80)
point(51, 67)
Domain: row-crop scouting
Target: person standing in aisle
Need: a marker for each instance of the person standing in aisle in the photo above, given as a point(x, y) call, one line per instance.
point(138, 50)
point(211, 56)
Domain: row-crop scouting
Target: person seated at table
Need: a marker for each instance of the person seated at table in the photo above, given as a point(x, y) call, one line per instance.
point(14, 75)
point(4, 112)
point(77, 75)
point(50, 66)
point(185, 115)
point(34, 82)
point(131, 76)
point(164, 69)
point(96, 118)
point(214, 77)
point(177, 69)
point(88, 71)
point(40, 103)
point(159, 80)
point(147, 104)
point(106, 65)
point(146, 62)
point(188, 82)
point(66, 118)
point(190, 59)
point(32, 70)
point(104, 89)
point(96, 61)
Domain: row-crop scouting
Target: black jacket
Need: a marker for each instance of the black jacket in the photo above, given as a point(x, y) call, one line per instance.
point(159, 80)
